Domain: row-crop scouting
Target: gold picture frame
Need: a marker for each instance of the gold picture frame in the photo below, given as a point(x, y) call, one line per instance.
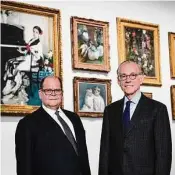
point(90, 44)
point(139, 41)
point(91, 95)
point(173, 100)
point(171, 37)
point(20, 22)
point(148, 94)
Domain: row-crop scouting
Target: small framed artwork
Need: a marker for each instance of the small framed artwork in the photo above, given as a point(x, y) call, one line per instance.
point(91, 95)
point(139, 42)
point(148, 94)
point(172, 53)
point(173, 100)
point(90, 44)
point(30, 51)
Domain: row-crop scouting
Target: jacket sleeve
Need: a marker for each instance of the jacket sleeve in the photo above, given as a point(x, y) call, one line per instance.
point(163, 144)
point(23, 149)
point(104, 146)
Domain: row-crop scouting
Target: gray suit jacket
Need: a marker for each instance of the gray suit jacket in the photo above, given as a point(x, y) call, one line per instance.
point(144, 149)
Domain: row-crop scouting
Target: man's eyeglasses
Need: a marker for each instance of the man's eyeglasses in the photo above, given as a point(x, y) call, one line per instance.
point(51, 91)
point(131, 76)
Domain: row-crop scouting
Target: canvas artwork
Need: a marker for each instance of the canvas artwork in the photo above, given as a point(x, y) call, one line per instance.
point(28, 54)
point(172, 53)
point(91, 96)
point(139, 42)
point(90, 44)
point(173, 100)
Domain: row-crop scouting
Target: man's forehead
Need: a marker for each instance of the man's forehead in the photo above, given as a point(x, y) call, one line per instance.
point(50, 81)
point(129, 67)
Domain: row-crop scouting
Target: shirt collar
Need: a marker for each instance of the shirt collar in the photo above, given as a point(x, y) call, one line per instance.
point(50, 111)
point(134, 99)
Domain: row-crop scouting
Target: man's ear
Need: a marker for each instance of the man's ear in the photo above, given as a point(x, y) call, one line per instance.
point(39, 92)
point(142, 78)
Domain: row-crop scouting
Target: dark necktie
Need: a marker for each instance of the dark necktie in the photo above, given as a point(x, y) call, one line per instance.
point(126, 115)
point(67, 131)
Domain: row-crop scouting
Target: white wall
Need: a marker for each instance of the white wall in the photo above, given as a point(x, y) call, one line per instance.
point(161, 13)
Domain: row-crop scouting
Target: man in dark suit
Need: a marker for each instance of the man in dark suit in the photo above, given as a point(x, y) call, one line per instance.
point(50, 142)
point(136, 136)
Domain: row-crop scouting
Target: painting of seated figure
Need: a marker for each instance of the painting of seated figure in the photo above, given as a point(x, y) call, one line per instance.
point(90, 44)
point(91, 95)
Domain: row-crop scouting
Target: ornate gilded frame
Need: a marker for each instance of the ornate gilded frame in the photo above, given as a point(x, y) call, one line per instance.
point(148, 94)
point(171, 37)
point(54, 24)
point(81, 101)
point(90, 44)
point(139, 41)
point(173, 101)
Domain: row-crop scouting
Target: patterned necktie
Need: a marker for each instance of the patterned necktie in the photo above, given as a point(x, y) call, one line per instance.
point(126, 115)
point(67, 131)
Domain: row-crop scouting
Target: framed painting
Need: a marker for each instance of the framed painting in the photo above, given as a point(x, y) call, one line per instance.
point(91, 95)
point(148, 94)
point(172, 53)
point(30, 51)
point(173, 100)
point(90, 44)
point(139, 42)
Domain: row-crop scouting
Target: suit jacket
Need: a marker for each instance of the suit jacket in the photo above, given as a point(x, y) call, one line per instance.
point(43, 149)
point(144, 149)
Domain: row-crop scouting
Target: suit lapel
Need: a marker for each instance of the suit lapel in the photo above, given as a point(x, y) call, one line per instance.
point(48, 120)
point(137, 115)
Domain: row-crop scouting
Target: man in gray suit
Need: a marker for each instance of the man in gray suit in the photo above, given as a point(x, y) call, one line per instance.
point(136, 135)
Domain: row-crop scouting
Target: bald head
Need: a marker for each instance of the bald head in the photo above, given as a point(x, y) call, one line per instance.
point(50, 77)
point(137, 66)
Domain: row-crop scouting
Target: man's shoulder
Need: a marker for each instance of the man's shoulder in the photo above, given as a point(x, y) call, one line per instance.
point(32, 116)
point(68, 112)
point(115, 103)
point(153, 102)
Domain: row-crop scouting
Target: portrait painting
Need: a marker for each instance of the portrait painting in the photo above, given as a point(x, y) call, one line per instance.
point(91, 96)
point(139, 42)
point(173, 100)
point(90, 44)
point(171, 37)
point(30, 51)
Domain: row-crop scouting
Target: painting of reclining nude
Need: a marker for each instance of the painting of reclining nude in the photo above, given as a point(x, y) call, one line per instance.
point(91, 96)
point(90, 44)
point(27, 56)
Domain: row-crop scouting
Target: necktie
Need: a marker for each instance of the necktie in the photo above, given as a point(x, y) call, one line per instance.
point(67, 131)
point(126, 115)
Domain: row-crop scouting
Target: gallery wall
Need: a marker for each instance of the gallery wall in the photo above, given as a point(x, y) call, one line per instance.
point(161, 13)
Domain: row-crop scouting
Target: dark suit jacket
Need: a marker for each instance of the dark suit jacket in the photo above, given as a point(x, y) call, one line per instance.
point(144, 149)
point(43, 149)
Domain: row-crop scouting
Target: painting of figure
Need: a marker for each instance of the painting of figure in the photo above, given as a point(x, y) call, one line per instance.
point(91, 96)
point(27, 54)
point(90, 44)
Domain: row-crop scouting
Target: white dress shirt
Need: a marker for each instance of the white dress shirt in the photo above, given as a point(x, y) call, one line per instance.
point(51, 112)
point(134, 102)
